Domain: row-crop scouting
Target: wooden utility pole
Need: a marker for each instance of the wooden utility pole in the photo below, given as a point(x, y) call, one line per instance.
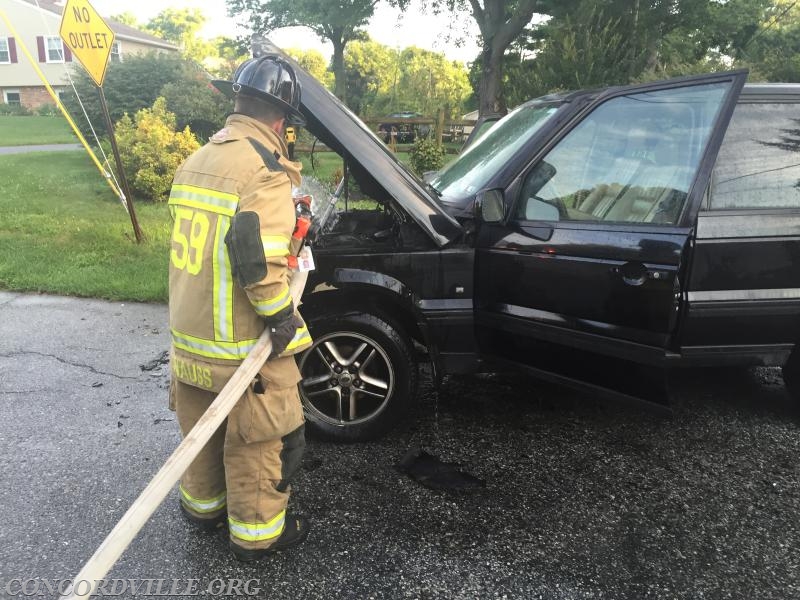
point(137, 232)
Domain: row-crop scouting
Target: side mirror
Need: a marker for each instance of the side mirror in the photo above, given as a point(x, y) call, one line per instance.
point(539, 210)
point(489, 206)
point(543, 173)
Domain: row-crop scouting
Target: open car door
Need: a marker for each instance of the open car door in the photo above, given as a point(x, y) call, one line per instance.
point(581, 278)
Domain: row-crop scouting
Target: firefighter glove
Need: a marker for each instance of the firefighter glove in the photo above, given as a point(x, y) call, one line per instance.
point(283, 333)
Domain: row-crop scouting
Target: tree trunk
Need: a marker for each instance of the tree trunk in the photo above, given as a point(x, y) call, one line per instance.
point(491, 89)
point(338, 68)
point(634, 49)
point(500, 23)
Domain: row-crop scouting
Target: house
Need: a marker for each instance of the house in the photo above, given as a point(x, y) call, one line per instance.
point(37, 23)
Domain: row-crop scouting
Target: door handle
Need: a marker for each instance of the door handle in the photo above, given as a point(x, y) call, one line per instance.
point(632, 273)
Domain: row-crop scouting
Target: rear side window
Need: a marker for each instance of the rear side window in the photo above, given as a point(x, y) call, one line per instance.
point(759, 163)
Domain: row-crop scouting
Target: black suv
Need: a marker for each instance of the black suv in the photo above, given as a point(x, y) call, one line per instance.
point(593, 238)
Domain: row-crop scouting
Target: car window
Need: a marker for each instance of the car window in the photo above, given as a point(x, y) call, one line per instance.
point(478, 130)
point(491, 151)
point(759, 163)
point(632, 159)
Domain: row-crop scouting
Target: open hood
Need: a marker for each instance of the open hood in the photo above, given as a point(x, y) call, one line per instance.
point(371, 162)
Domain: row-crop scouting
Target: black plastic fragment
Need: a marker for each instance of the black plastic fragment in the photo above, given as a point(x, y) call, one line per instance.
point(431, 472)
point(162, 359)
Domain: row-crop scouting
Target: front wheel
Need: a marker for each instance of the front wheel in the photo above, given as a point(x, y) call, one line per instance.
point(359, 377)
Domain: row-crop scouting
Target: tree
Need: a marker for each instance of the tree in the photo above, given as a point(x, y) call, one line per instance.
point(314, 63)
point(381, 79)
point(126, 18)
point(583, 49)
point(229, 55)
point(372, 73)
point(671, 37)
point(197, 104)
point(135, 84)
point(588, 43)
point(337, 22)
point(429, 82)
point(181, 26)
point(500, 23)
point(770, 43)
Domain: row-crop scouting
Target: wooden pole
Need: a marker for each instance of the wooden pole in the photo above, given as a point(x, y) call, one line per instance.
point(439, 126)
point(123, 533)
point(123, 180)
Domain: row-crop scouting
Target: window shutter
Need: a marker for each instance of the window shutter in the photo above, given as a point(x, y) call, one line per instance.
point(40, 45)
point(12, 49)
point(67, 53)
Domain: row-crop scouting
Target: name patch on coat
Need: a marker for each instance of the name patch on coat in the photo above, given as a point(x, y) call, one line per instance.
point(192, 374)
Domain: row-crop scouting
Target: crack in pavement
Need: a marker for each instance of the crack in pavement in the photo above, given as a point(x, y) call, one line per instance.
point(66, 362)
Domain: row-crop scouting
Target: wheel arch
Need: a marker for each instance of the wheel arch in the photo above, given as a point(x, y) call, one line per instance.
point(355, 290)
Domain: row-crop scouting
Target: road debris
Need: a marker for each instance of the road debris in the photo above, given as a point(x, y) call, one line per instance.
point(162, 359)
point(431, 472)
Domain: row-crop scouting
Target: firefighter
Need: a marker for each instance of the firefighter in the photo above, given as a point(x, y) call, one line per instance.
point(231, 202)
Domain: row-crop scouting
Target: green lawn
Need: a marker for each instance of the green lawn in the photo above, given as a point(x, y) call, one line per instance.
point(63, 231)
point(327, 168)
point(22, 131)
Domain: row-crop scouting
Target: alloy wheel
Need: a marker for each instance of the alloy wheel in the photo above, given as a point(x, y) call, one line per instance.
point(347, 378)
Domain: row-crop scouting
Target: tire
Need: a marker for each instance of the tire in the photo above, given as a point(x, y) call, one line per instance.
point(359, 377)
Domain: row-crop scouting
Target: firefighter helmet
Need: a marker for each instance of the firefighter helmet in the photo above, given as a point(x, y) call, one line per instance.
point(269, 78)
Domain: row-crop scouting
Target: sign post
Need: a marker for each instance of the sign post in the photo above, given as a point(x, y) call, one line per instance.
point(89, 39)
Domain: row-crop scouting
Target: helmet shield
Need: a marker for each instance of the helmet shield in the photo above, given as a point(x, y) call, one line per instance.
point(268, 78)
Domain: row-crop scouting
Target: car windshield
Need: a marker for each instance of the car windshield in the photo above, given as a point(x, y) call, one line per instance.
point(487, 155)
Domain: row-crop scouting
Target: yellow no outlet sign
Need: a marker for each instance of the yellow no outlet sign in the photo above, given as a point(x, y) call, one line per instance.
point(88, 37)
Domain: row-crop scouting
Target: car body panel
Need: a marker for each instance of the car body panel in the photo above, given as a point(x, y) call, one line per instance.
point(742, 301)
point(434, 288)
point(598, 305)
point(590, 301)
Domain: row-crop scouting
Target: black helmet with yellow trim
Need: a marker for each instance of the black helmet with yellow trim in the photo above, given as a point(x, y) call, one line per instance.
point(271, 79)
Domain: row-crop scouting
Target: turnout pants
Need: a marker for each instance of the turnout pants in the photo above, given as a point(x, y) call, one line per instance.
point(247, 465)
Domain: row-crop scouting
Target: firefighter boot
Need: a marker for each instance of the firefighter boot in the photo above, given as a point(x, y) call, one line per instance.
point(211, 524)
point(294, 533)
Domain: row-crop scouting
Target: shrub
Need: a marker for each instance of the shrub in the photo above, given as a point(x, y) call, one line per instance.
point(16, 110)
point(426, 155)
point(136, 83)
point(47, 110)
point(197, 104)
point(152, 150)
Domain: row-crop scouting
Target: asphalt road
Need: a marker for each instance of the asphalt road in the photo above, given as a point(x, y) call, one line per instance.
point(582, 499)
